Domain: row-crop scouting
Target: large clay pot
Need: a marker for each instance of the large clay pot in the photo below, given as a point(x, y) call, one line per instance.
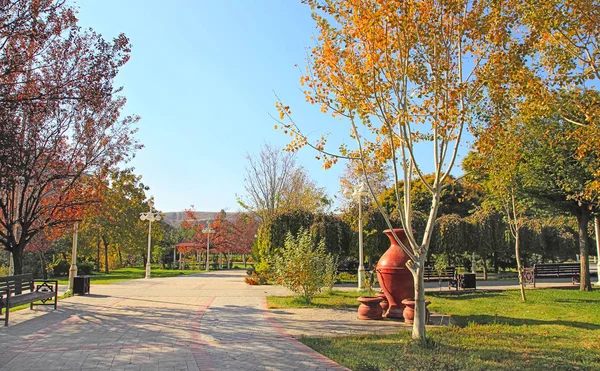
point(370, 307)
point(395, 279)
point(409, 311)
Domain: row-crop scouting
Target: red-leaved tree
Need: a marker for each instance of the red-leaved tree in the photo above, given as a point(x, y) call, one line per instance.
point(60, 125)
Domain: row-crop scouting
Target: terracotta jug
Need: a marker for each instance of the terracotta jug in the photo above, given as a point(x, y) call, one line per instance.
point(409, 311)
point(395, 279)
point(370, 307)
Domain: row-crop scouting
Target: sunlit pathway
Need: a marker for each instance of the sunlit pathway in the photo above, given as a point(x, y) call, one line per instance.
point(205, 322)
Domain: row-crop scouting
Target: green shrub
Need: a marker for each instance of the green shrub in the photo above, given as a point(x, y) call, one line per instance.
point(85, 268)
point(304, 266)
point(59, 268)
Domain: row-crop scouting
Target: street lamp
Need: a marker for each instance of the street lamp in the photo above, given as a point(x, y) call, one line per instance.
point(73, 268)
point(150, 216)
point(357, 193)
point(208, 230)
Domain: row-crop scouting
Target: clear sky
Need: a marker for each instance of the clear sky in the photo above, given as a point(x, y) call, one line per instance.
point(202, 76)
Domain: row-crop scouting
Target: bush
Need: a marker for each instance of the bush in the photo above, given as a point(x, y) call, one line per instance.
point(304, 267)
point(262, 272)
point(85, 268)
point(59, 268)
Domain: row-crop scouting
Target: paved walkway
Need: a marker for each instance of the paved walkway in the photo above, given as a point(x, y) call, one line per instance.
point(206, 322)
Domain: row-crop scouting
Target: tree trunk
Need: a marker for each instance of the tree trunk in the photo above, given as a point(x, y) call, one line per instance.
point(98, 260)
point(120, 256)
point(44, 273)
point(597, 233)
point(583, 218)
point(105, 254)
point(519, 268)
point(418, 331)
point(485, 269)
point(244, 259)
point(17, 254)
point(495, 262)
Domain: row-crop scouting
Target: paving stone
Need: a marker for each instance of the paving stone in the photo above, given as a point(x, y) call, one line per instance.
point(194, 323)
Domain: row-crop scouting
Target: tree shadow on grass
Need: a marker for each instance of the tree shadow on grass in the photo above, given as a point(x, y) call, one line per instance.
point(487, 319)
point(464, 295)
point(578, 301)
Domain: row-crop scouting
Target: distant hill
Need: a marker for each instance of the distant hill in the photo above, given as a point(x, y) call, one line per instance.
point(174, 218)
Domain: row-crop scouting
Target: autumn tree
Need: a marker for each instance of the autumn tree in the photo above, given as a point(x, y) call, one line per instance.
point(561, 40)
point(114, 220)
point(404, 72)
point(563, 168)
point(243, 235)
point(59, 118)
point(274, 183)
point(498, 165)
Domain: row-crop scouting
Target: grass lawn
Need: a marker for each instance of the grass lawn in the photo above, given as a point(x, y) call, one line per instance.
point(555, 330)
point(124, 274)
point(330, 299)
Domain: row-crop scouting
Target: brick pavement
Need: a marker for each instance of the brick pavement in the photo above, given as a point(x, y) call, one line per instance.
point(205, 322)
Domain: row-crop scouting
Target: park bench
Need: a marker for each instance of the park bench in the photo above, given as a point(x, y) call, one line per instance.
point(448, 274)
point(555, 270)
point(12, 295)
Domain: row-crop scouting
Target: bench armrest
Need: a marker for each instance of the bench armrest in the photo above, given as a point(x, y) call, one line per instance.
point(4, 297)
point(45, 285)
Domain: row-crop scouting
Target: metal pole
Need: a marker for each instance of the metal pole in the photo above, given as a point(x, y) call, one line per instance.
point(361, 265)
point(207, 247)
point(73, 269)
point(149, 244)
point(597, 230)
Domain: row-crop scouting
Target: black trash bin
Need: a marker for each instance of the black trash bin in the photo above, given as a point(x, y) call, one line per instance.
point(81, 285)
point(467, 281)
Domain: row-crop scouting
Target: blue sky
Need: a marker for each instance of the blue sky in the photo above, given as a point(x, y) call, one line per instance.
point(202, 76)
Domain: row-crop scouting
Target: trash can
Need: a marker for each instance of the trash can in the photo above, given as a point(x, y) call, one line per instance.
point(81, 285)
point(467, 281)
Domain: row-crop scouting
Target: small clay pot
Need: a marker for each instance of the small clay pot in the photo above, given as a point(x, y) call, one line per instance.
point(370, 307)
point(384, 303)
point(409, 311)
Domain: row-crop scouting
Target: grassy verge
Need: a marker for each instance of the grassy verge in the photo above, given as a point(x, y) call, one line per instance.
point(555, 329)
point(131, 273)
point(329, 299)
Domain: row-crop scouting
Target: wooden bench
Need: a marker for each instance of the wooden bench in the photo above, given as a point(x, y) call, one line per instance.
point(448, 274)
point(555, 270)
point(12, 295)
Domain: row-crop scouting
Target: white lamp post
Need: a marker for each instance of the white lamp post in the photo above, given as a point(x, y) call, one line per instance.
point(597, 230)
point(358, 193)
point(208, 230)
point(73, 268)
point(150, 216)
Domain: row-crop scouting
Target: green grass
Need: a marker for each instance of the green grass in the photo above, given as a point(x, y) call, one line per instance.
point(330, 299)
point(131, 273)
point(554, 330)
